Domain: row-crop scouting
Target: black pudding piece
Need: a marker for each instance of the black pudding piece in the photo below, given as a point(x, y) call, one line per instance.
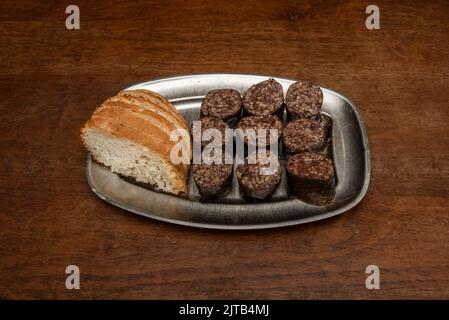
point(212, 179)
point(258, 180)
point(311, 177)
point(304, 100)
point(225, 104)
point(251, 125)
point(263, 98)
point(303, 135)
point(212, 123)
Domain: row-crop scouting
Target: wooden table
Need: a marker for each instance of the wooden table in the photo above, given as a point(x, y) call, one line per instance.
point(52, 79)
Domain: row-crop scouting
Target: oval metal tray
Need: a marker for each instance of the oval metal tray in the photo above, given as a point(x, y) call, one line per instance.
point(350, 150)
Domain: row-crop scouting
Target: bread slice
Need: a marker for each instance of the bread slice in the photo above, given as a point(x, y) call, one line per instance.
point(130, 133)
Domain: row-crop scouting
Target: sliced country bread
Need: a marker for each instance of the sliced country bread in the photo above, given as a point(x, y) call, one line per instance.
point(133, 139)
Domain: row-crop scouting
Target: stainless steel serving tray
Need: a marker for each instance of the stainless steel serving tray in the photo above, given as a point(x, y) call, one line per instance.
point(350, 152)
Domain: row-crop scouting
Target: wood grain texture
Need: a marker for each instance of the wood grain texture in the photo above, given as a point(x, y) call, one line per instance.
point(52, 79)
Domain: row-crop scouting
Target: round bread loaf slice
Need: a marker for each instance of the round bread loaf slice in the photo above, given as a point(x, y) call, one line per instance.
point(130, 134)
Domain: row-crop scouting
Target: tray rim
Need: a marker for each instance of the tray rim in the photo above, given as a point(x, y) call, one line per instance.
point(322, 216)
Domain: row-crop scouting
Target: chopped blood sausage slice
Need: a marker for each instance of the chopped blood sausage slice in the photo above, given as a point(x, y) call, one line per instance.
point(311, 177)
point(325, 121)
point(304, 100)
point(212, 123)
point(303, 135)
point(251, 124)
point(222, 103)
point(310, 165)
point(263, 98)
point(212, 179)
point(257, 183)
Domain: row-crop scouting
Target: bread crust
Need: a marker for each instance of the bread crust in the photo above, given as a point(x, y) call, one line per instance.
point(145, 118)
point(154, 99)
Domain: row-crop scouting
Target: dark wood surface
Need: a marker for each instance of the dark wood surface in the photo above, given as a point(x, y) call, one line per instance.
point(52, 78)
